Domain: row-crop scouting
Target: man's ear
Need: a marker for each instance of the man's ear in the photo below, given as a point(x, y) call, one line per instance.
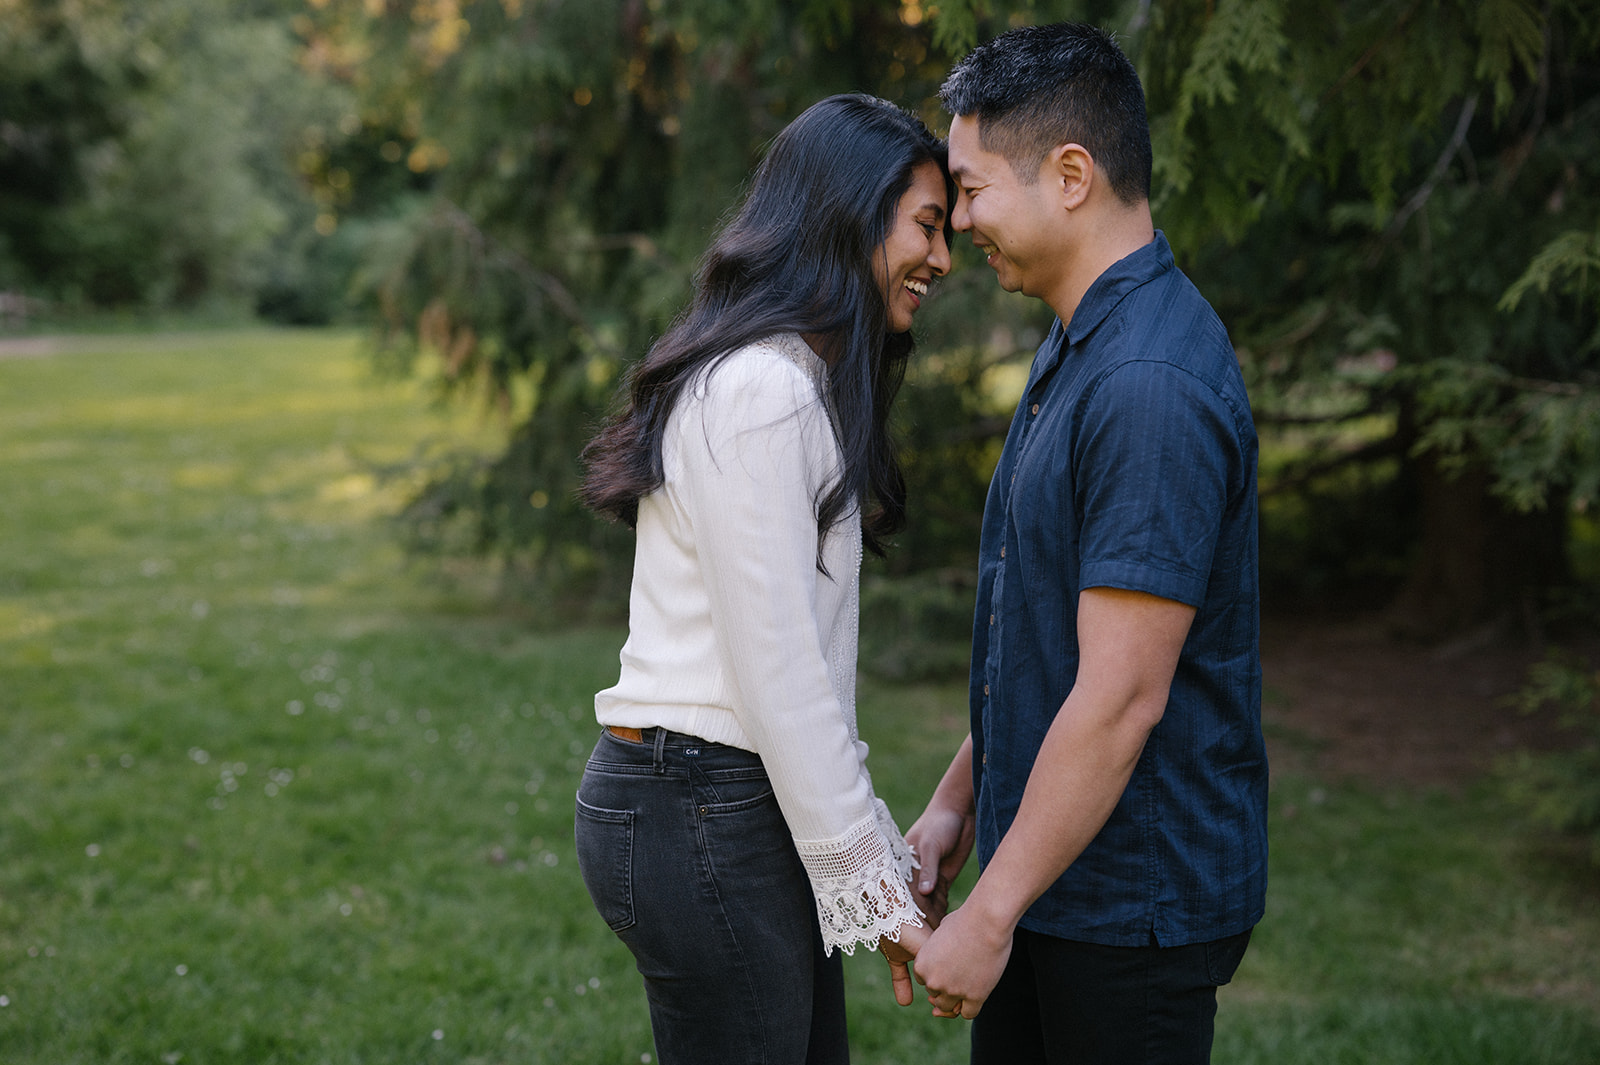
point(1070, 168)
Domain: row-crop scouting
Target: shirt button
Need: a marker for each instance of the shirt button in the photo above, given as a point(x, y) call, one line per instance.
point(986, 689)
point(1002, 552)
point(991, 619)
point(1035, 408)
point(985, 757)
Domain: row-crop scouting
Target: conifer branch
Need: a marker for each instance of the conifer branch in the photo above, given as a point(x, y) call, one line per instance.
point(1441, 166)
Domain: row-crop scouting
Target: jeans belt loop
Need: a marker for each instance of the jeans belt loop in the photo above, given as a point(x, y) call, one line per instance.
point(661, 746)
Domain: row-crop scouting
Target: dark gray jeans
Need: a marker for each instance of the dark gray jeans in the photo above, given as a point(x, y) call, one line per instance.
point(687, 857)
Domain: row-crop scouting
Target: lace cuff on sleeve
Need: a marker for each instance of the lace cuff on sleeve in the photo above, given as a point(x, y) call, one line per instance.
point(860, 883)
point(905, 859)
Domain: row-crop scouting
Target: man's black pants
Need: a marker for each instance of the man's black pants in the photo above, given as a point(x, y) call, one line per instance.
point(1066, 1003)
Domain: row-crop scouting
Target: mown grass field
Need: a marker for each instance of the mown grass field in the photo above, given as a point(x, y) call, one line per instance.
point(270, 791)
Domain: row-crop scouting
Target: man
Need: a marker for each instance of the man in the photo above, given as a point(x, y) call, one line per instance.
point(1115, 776)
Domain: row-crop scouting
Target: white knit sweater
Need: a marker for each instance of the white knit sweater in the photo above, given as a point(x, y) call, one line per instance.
point(734, 636)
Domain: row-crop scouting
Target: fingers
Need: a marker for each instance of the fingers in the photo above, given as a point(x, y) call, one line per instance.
point(900, 976)
point(953, 1008)
point(943, 840)
point(930, 855)
point(953, 863)
point(961, 963)
point(898, 953)
point(933, 905)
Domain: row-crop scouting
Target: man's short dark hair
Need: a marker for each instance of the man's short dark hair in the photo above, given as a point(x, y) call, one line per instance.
point(1038, 87)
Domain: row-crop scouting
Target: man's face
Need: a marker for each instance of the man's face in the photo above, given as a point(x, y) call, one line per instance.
point(1014, 224)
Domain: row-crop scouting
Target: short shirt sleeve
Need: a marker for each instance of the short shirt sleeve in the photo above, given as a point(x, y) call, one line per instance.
point(1157, 455)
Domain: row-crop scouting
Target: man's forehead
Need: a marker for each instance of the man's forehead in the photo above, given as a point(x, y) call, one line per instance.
point(964, 128)
point(966, 151)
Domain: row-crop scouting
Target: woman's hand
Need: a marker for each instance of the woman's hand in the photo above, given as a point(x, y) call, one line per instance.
point(899, 955)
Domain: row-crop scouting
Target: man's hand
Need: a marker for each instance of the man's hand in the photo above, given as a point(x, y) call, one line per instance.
point(1129, 644)
point(963, 960)
point(899, 956)
point(942, 839)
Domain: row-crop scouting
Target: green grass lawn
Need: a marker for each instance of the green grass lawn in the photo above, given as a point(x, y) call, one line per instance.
point(272, 792)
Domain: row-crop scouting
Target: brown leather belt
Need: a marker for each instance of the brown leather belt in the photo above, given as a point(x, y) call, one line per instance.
point(623, 732)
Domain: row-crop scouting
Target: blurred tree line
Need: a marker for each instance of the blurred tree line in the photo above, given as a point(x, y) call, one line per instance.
point(148, 151)
point(1394, 204)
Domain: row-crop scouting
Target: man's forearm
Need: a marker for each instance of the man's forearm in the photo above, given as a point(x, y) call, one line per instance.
point(955, 787)
point(1129, 650)
point(1082, 769)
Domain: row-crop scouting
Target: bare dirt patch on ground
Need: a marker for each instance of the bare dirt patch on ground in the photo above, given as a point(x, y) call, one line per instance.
point(1344, 699)
point(36, 347)
point(28, 347)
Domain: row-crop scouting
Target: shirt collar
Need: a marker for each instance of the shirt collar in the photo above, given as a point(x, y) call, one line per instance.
point(793, 347)
point(1108, 290)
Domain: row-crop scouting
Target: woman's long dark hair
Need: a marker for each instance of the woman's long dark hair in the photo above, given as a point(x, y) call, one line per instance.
point(796, 258)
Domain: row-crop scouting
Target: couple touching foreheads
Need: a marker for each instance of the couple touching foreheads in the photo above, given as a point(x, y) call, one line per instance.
point(1114, 779)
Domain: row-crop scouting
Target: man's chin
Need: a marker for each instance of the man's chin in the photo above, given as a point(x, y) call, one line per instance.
point(1004, 274)
point(1010, 282)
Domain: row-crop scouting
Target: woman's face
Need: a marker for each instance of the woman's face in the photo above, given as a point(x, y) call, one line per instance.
point(914, 252)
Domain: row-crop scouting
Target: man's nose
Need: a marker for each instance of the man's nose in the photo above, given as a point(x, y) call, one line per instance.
point(961, 218)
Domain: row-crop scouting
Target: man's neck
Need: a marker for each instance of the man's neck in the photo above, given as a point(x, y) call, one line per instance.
point(1100, 244)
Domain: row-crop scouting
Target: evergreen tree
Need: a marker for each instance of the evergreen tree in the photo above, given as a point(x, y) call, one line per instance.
point(1392, 203)
point(1395, 206)
point(581, 154)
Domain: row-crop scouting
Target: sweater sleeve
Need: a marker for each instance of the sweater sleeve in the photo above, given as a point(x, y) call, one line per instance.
point(754, 447)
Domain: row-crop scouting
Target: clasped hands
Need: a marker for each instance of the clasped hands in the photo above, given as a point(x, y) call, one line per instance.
point(957, 956)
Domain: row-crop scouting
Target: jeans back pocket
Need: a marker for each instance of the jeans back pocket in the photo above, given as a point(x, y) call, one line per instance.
point(605, 858)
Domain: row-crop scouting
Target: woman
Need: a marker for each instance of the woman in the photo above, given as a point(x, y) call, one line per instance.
point(727, 828)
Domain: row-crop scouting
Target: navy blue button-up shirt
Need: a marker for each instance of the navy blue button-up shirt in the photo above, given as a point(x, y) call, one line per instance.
point(1131, 463)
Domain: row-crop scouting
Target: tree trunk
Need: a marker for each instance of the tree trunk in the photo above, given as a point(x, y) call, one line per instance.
point(1477, 563)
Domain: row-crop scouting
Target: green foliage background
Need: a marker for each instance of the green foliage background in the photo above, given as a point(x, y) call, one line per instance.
point(149, 149)
point(1392, 203)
